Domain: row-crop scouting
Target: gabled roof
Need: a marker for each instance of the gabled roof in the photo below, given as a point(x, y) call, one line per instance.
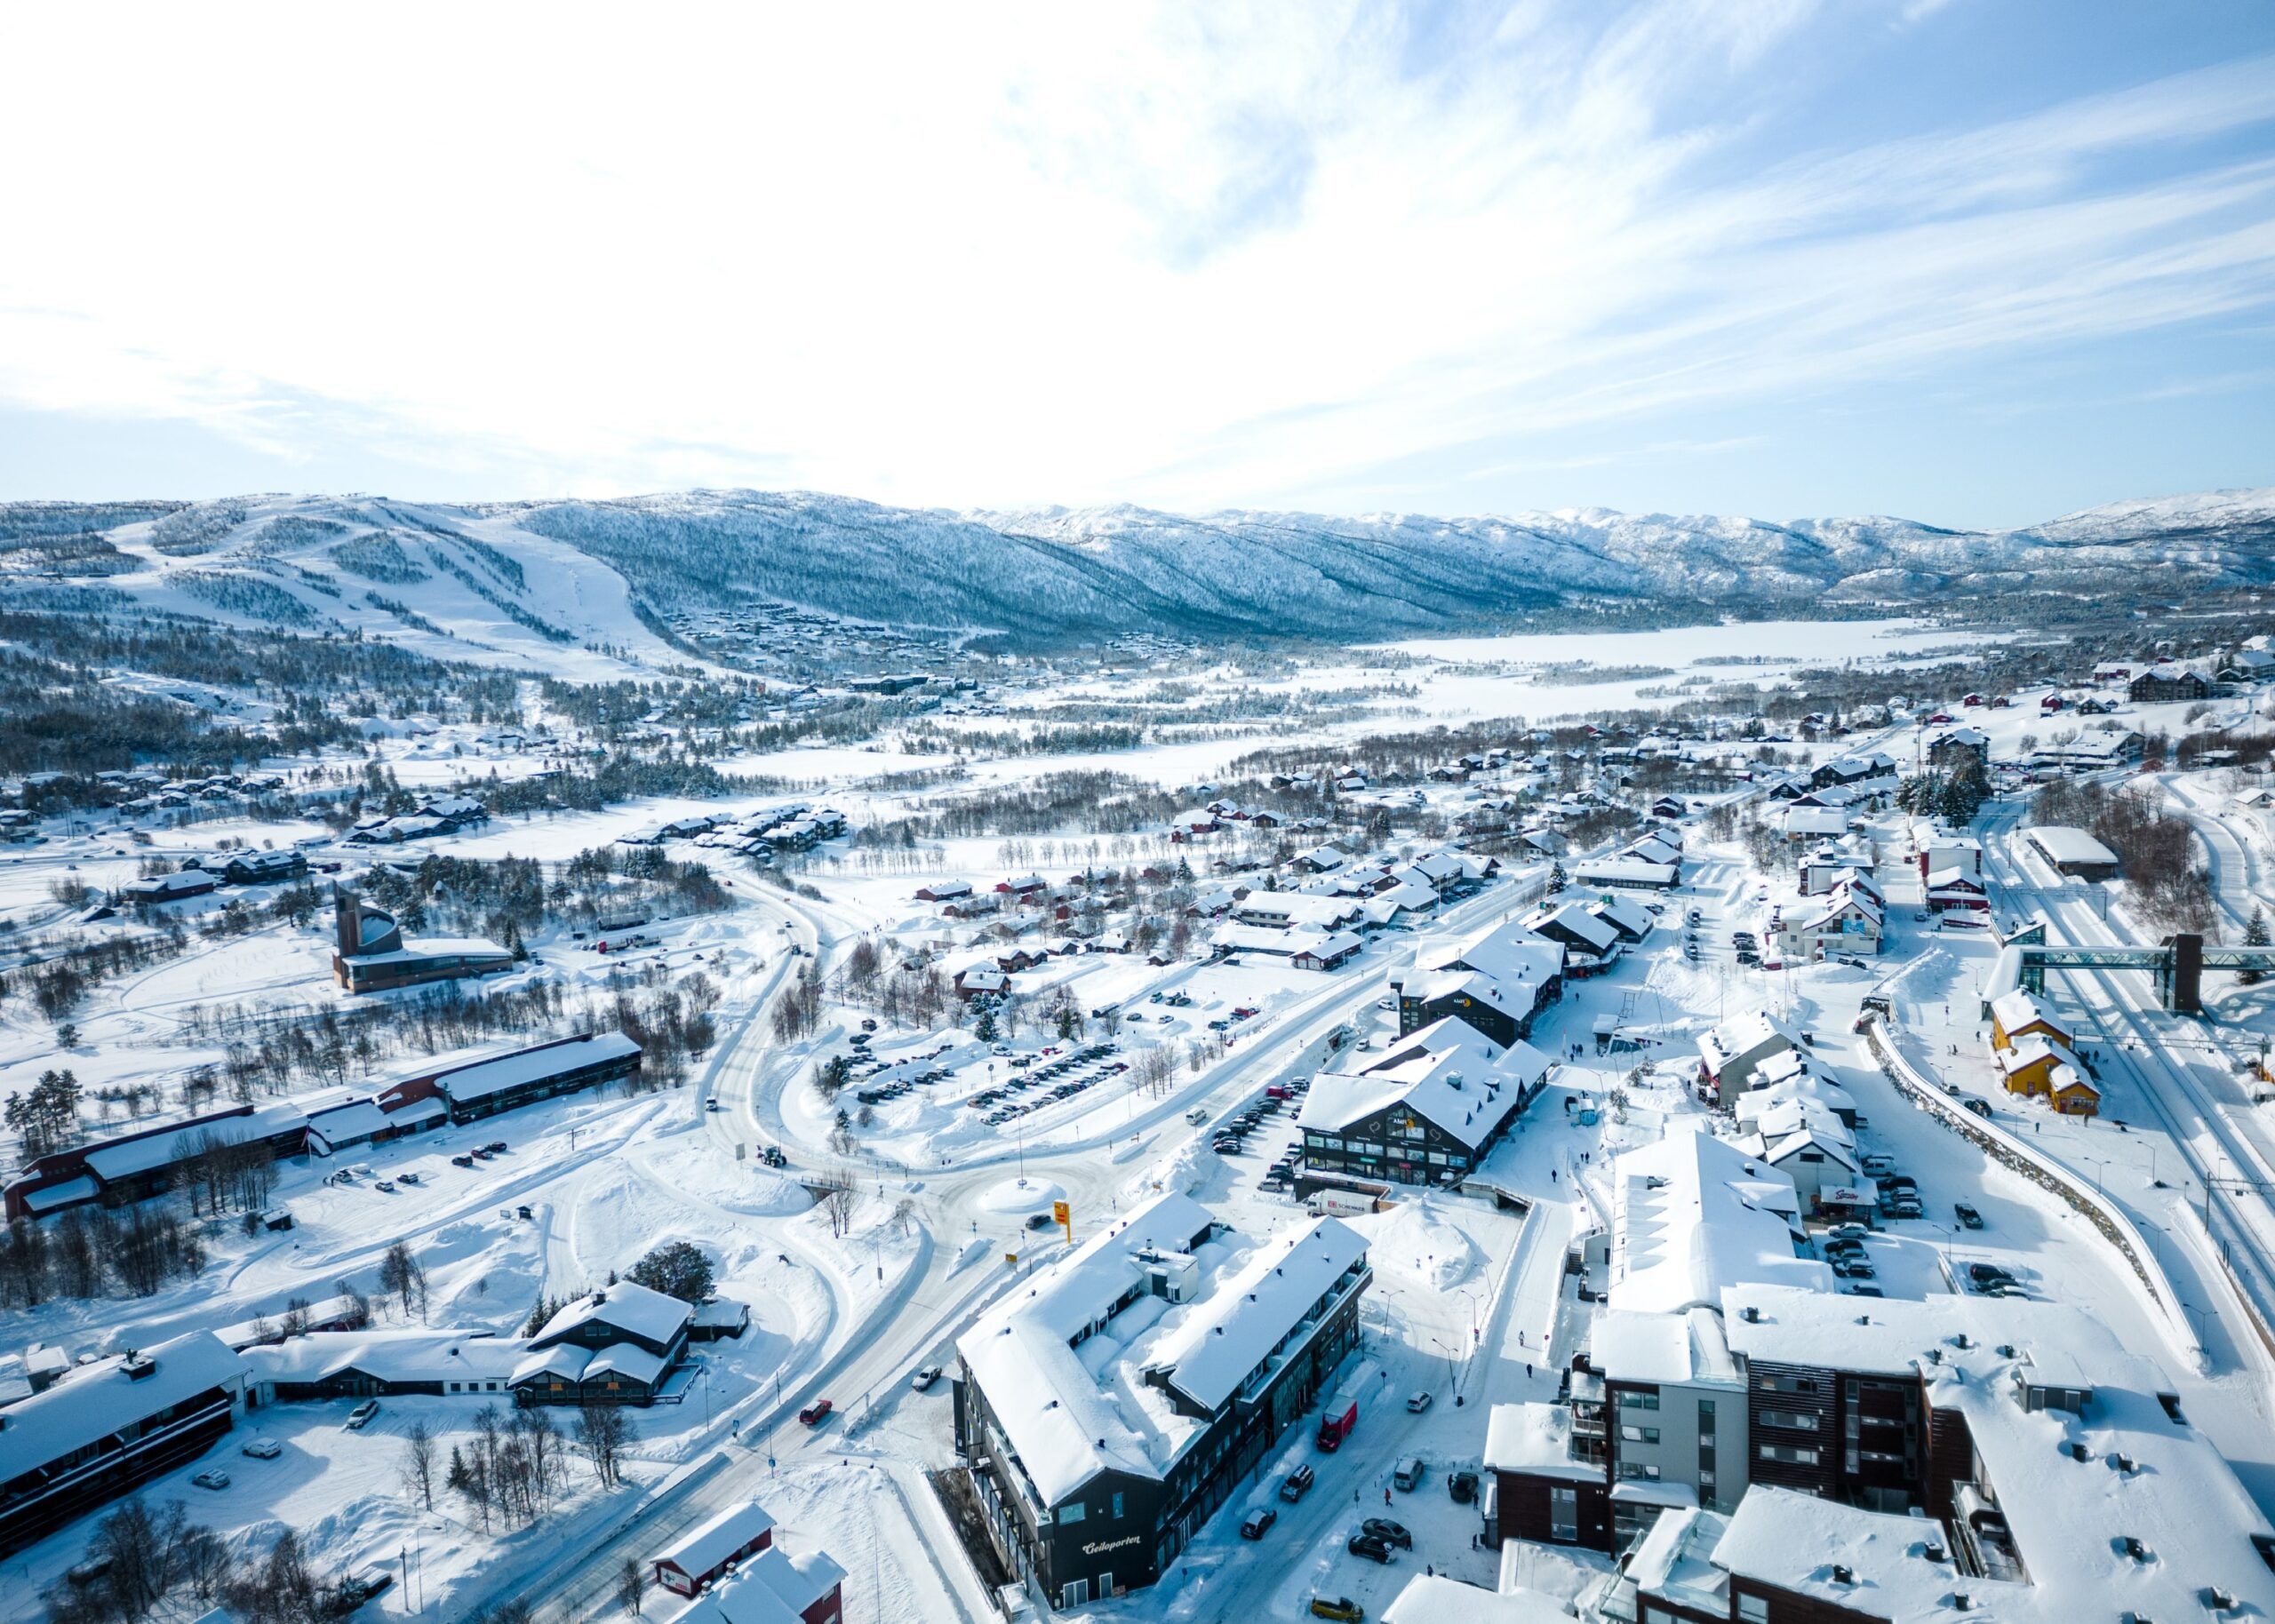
point(626, 1306)
point(1229, 1335)
point(772, 1587)
point(1574, 919)
point(2035, 1049)
point(1508, 952)
point(1063, 1425)
point(1448, 1073)
point(94, 1401)
point(2021, 1007)
point(1691, 1216)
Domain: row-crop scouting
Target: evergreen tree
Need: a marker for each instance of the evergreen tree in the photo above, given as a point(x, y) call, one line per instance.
point(2255, 935)
point(983, 1028)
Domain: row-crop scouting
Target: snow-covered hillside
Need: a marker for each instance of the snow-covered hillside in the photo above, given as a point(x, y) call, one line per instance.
point(551, 584)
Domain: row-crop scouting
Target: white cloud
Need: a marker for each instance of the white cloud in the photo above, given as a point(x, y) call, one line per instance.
point(941, 255)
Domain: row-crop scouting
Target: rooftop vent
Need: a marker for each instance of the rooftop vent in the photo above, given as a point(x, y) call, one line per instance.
point(2081, 1453)
point(1749, 1314)
point(2133, 1547)
point(1960, 1602)
point(2123, 1463)
point(1933, 1550)
point(140, 1367)
point(2005, 1351)
point(2216, 1600)
point(1842, 1575)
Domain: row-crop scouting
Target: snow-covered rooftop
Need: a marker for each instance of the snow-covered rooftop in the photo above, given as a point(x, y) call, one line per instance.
point(1062, 1365)
point(1448, 1073)
point(717, 1538)
point(1691, 1216)
point(487, 1077)
point(1232, 1334)
point(1535, 1438)
point(94, 1401)
point(1669, 1348)
point(625, 1306)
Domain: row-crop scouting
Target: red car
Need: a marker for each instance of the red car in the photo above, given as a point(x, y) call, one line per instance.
point(816, 1413)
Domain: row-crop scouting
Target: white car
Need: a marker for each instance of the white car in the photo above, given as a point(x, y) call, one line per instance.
point(263, 1449)
point(924, 1378)
point(212, 1478)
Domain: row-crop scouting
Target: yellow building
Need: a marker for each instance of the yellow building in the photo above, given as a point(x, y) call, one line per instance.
point(2072, 1095)
point(2029, 1067)
point(2019, 1015)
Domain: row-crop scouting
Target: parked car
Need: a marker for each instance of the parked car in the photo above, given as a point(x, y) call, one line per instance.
point(1408, 1472)
point(1365, 1545)
point(816, 1413)
point(1383, 1528)
point(1986, 1274)
point(495, 1147)
point(1463, 1486)
point(212, 1478)
point(711, 1101)
point(1296, 1484)
point(407, 1178)
point(263, 1449)
point(1864, 1291)
point(1416, 1403)
point(1981, 1107)
point(462, 1161)
point(362, 1415)
point(1341, 1608)
point(1967, 1215)
point(923, 1379)
point(1258, 1524)
point(385, 1185)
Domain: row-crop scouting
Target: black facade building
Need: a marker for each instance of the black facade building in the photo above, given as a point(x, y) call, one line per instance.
point(1426, 1113)
point(1083, 1519)
point(104, 1430)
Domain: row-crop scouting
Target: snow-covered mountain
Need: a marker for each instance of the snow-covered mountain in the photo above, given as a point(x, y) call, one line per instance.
point(527, 581)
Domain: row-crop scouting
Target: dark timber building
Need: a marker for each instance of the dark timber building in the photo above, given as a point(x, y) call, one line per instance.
point(1082, 1503)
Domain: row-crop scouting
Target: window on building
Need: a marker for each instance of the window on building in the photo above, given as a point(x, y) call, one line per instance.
point(1639, 1401)
point(1564, 1515)
point(1073, 1511)
point(1791, 1420)
point(1117, 1508)
point(1787, 1384)
point(1639, 1434)
point(1754, 1609)
point(1789, 1455)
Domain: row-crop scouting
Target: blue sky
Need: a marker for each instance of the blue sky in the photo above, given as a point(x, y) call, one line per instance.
point(1978, 262)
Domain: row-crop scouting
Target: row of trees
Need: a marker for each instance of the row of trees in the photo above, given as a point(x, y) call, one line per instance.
point(1955, 796)
point(93, 1250)
point(45, 1116)
point(2168, 885)
point(161, 1565)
